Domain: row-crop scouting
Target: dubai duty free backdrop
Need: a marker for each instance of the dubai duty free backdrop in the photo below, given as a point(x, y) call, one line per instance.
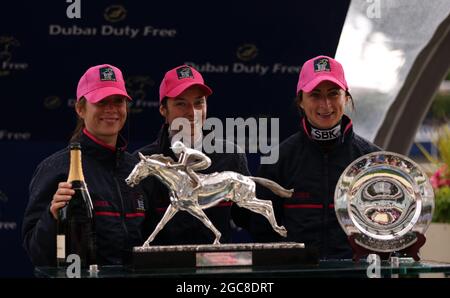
point(248, 51)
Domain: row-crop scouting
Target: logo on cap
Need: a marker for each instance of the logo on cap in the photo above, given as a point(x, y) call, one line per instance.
point(321, 64)
point(107, 74)
point(184, 73)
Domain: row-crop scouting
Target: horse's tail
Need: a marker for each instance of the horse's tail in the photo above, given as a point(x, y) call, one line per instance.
point(274, 187)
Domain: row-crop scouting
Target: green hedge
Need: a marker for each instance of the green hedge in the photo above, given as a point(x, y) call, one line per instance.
point(440, 109)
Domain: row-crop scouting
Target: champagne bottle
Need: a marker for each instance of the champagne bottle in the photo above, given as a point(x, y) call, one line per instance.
point(75, 228)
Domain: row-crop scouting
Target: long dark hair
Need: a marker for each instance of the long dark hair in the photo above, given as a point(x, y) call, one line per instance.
point(76, 134)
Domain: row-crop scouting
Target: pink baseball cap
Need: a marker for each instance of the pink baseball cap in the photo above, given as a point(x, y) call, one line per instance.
point(179, 79)
point(319, 69)
point(101, 81)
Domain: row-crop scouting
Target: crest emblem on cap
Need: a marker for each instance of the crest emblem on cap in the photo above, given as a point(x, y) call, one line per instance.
point(321, 64)
point(107, 74)
point(184, 73)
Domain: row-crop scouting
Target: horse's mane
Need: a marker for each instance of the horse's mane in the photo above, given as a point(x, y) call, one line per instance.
point(161, 158)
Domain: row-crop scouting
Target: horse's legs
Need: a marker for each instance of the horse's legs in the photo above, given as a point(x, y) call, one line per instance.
point(198, 212)
point(170, 212)
point(265, 208)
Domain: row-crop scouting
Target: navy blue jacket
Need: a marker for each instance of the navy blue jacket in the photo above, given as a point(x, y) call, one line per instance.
point(119, 209)
point(183, 228)
point(313, 173)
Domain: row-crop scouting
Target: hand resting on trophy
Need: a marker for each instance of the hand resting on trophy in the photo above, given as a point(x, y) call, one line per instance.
point(192, 192)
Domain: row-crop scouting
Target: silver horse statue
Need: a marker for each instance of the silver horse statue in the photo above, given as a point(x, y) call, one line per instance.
point(216, 187)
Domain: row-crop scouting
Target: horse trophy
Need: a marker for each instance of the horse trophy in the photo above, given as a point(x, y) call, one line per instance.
point(213, 189)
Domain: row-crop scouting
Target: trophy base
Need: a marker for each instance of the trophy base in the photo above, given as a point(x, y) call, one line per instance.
point(210, 255)
point(410, 251)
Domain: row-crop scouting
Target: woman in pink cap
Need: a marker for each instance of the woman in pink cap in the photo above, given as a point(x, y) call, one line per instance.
point(312, 160)
point(183, 94)
point(101, 107)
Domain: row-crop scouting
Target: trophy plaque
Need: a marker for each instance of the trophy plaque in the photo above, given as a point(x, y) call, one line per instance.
point(193, 192)
point(222, 255)
point(384, 202)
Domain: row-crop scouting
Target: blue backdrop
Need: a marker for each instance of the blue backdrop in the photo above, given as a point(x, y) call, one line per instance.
point(248, 52)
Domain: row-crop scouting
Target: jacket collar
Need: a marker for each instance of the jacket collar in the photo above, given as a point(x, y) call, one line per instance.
point(164, 142)
point(346, 128)
point(92, 146)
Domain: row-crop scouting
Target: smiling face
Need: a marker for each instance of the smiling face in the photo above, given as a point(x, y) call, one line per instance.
point(105, 118)
point(324, 105)
point(190, 102)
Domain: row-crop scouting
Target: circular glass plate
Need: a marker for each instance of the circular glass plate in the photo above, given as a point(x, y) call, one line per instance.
point(384, 198)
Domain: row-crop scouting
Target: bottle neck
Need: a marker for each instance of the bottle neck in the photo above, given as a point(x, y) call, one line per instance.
point(76, 170)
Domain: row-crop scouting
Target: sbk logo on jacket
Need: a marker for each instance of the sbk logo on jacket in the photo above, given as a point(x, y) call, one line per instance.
point(326, 134)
